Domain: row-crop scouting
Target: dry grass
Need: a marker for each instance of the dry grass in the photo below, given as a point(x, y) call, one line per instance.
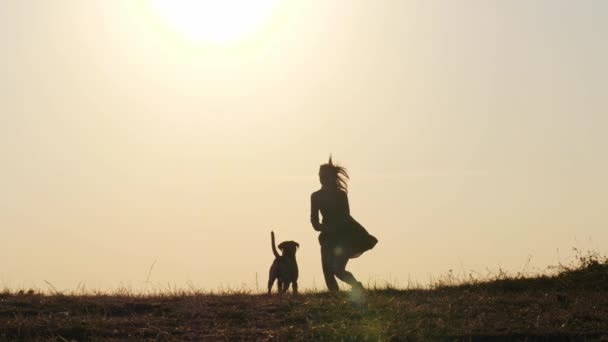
point(570, 304)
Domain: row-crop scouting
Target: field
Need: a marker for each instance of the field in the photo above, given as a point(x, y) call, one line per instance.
point(570, 304)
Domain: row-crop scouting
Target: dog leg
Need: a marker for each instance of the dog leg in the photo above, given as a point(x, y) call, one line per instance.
point(294, 287)
point(270, 283)
point(286, 286)
point(280, 282)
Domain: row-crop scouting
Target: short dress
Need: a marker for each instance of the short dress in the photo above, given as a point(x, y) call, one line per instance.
point(339, 228)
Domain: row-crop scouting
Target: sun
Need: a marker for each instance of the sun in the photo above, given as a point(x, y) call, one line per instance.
point(215, 21)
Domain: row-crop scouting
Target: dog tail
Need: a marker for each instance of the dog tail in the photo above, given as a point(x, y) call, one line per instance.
point(274, 248)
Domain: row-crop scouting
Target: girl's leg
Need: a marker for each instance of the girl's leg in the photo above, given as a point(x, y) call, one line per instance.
point(327, 261)
point(339, 268)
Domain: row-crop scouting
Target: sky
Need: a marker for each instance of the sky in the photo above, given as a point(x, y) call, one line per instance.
point(136, 156)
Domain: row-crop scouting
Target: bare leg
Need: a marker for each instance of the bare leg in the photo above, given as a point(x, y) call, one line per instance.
point(339, 268)
point(327, 260)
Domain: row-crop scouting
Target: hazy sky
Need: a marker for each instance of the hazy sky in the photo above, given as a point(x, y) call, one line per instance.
point(475, 132)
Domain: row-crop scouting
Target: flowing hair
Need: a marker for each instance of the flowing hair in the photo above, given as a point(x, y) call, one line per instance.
point(336, 175)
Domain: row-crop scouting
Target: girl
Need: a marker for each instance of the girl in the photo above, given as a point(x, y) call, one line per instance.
point(341, 238)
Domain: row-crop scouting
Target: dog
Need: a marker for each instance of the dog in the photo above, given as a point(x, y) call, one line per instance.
point(284, 267)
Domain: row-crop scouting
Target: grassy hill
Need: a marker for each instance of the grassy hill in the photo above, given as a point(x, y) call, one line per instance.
point(570, 304)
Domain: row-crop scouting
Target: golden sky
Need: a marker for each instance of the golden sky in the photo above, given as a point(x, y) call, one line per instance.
point(474, 131)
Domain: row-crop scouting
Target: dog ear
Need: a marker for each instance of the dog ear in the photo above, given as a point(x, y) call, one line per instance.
point(297, 245)
point(281, 245)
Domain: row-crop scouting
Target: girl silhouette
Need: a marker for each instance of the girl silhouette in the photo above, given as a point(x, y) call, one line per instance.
point(341, 238)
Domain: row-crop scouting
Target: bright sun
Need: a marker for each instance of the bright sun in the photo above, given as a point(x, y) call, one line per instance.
point(215, 21)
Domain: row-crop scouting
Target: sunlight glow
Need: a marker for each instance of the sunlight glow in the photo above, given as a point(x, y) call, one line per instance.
point(215, 21)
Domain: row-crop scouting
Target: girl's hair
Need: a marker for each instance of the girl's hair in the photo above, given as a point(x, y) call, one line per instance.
point(334, 175)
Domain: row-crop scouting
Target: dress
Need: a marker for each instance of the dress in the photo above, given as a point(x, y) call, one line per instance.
point(339, 228)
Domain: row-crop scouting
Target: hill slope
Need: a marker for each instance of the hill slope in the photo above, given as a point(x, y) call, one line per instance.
point(571, 305)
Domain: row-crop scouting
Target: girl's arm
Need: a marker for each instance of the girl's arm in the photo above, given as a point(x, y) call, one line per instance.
point(314, 213)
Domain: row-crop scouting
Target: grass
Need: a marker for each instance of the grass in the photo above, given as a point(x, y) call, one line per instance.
point(570, 303)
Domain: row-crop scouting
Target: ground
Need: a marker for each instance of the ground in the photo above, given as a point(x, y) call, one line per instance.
point(569, 305)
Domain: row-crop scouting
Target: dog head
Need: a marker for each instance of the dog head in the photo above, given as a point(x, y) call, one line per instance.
point(289, 247)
